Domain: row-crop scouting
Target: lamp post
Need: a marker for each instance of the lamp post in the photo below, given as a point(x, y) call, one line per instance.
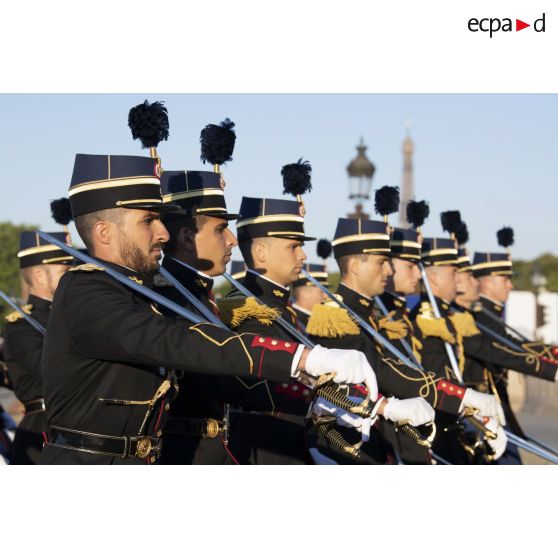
point(361, 171)
point(538, 280)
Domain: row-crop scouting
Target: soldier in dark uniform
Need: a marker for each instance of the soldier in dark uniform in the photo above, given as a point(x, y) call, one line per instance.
point(397, 327)
point(109, 354)
point(42, 265)
point(198, 250)
point(487, 363)
point(306, 295)
point(456, 331)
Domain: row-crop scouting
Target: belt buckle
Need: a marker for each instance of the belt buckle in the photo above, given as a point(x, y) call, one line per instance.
point(143, 447)
point(213, 428)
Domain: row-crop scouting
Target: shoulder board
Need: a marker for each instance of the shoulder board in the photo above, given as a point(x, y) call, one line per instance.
point(87, 267)
point(15, 316)
point(235, 310)
point(464, 324)
point(395, 329)
point(434, 327)
point(331, 321)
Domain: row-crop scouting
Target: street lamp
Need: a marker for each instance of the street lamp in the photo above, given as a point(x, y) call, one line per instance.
point(361, 171)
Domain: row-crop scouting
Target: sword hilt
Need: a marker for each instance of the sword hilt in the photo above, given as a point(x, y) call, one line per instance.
point(414, 433)
point(327, 426)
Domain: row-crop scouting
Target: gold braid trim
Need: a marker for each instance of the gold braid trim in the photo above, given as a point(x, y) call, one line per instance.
point(331, 321)
point(435, 327)
point(16, 315)
point(538, 349)
point(238, 309)
point(464, 324)
point(395, 329)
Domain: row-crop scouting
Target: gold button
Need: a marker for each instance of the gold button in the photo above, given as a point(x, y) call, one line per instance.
point(167, 406)
point(443, 384)
point(152, 459)
point(274, 342)
point(287, 345)
point(159, 433)
point(261, 339)
point(451, 388)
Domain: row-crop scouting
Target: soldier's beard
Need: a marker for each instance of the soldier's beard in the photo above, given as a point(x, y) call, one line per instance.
point(133, 257)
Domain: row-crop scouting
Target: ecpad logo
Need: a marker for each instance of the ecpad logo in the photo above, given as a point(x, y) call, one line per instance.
point(492, 25)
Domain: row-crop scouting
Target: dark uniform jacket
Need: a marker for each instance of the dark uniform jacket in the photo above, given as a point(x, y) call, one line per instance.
point(23, 348)
point(486, 366)
point(394, 378)
point(302, 315)
point(275, 435)
point(109, 356)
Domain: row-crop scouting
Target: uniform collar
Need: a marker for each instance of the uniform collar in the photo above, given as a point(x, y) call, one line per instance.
point(393, 301)
point(491, 304)
point(144, 279)
point(266, 286)
point(355, 301)
point(39, 303)
point(188, 276)
point(443, 306)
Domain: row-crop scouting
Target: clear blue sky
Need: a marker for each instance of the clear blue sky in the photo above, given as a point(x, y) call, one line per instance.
point(492, 156)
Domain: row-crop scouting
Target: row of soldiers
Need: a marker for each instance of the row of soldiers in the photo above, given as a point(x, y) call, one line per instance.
point(119, 358)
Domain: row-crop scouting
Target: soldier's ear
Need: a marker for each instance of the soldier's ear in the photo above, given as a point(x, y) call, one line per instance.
point(259, 251)
point(354, 265)
point(187, 238)
point(102, 232)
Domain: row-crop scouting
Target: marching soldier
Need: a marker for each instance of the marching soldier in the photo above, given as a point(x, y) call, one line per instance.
point(487, 362)
point(109, 354)
point(41, 267)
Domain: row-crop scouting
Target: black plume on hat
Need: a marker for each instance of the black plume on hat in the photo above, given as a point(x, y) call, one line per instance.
point(450, 221)
point(324, 248)
point(462, 234)
point(149, 123)
point(217, 142)
point(61, 211)
point(417, 213)
point(296, 178)
point(386, 200)
point(505, 237)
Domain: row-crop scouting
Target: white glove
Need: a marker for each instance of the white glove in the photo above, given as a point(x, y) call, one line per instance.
point(499, 444)
point(416, 410)
point(487, 405)
point(322, 407)
point(350, 367)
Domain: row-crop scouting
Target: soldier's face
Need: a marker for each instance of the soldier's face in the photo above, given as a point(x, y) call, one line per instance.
point(141, 237)
point(406, 276)
point(467, 288)
point(280, 259)
point(373, 273)
point(496, 287)
point(214, 242)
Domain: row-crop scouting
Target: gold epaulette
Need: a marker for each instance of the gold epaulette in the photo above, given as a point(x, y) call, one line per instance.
point(87, 267)
point(395, 329)
point(235, 310)
point(464, 324)
point(160, 281)
point(16, 315)
point(331, 321)
point(431, 326)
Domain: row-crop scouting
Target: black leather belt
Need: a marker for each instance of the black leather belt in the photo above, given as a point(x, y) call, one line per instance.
point(34, 406)
point(126, 447)
point(200, 428)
